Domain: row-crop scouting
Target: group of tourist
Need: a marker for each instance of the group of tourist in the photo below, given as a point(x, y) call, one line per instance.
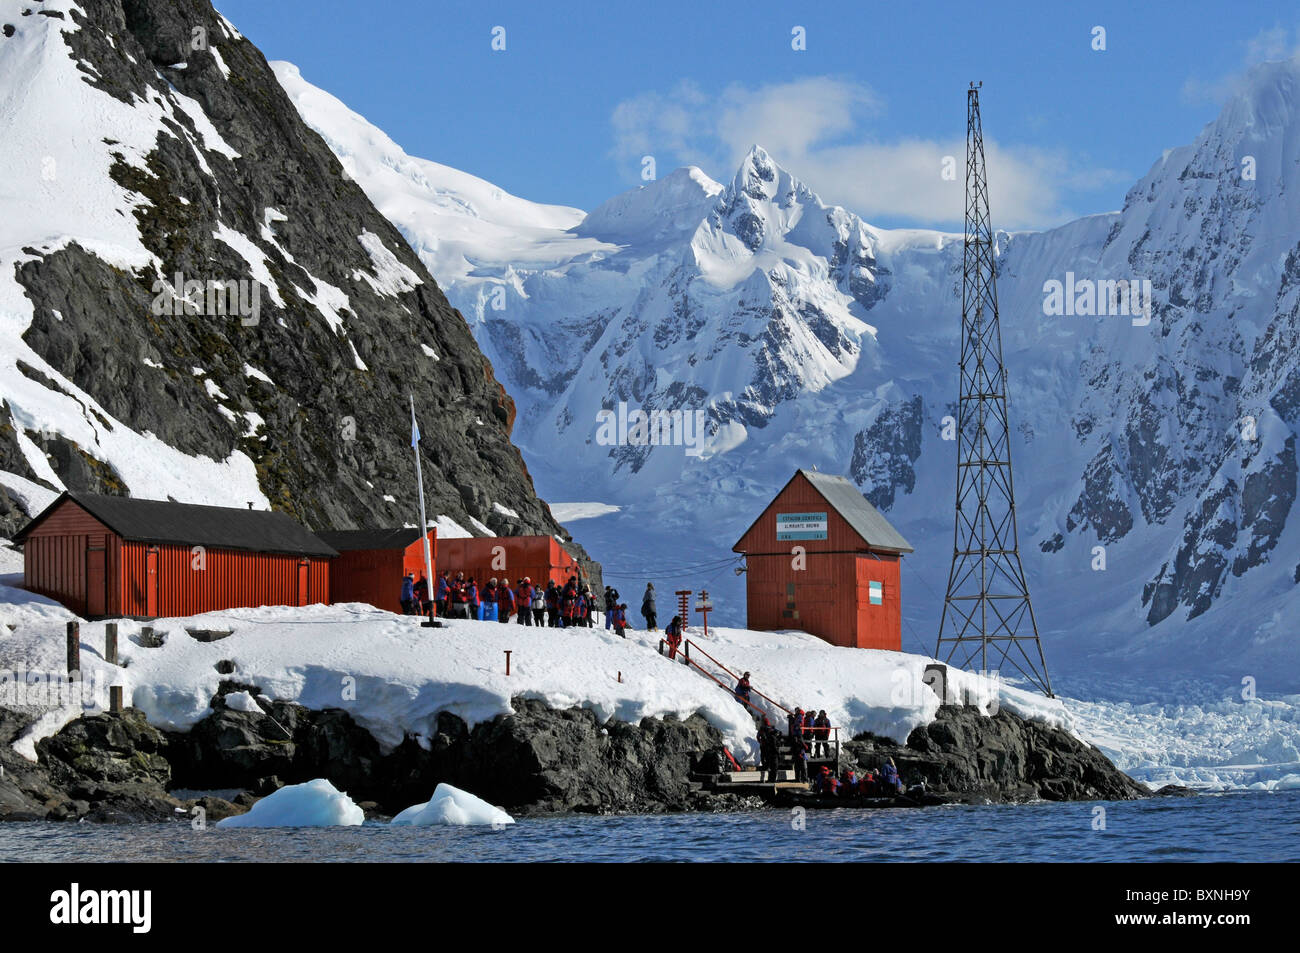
point(882, 783)
point(809, 736)
point(497, 600)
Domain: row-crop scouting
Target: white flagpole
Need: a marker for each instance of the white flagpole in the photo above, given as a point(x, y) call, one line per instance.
point(419, 479)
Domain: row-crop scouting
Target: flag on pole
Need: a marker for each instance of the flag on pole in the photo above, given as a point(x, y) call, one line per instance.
point(424, 523)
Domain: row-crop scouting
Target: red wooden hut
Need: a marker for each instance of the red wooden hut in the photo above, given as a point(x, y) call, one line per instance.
point(372, 562)
point(120, 556)
point(822, 559)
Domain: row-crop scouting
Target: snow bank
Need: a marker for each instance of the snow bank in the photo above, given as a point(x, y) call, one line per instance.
point(314, 804)
point(451, 805)
point(394, 677)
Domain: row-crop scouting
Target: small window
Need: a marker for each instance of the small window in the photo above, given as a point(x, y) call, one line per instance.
point(876, 593)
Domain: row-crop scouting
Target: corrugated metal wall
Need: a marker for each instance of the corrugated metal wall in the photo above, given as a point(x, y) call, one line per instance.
point(373, 576)
point(54, 556)
point(828, 598)
point(55, 559)
point(223, 579)
point(538, 557)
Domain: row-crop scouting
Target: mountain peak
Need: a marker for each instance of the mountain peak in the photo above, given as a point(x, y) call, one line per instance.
point(758, 175)
point(658, 210)
point(1266, 100)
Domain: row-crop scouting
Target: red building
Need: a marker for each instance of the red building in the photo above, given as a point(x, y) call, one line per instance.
point(540, 558)
point(822, 559)
point(118, 556)
point(372, 562)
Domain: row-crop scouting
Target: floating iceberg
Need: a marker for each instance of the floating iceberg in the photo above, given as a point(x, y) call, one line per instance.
point(313, 804)
point(451, 805)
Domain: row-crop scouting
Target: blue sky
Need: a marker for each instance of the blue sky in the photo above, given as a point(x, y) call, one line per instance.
point(863, 115)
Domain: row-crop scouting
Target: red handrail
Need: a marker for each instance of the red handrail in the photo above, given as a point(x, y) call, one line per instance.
point(690, 643)
point(686, 660)
point(814, 729)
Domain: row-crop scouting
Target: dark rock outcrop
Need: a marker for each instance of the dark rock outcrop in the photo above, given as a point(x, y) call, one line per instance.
point(1000, 758)
point(109, 768)
point(545, 759)
point(537, 758)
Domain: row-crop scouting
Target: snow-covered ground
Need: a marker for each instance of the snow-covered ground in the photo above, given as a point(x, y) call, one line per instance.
point(394, 677)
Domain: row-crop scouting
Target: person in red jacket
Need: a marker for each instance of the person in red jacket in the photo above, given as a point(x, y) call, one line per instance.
point(524, 599)
point(849, 783)
point(505, 601)
point(673, 635)
point(469, 597)
point(569, 603)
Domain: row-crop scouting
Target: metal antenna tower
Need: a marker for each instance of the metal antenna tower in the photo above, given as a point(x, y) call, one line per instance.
point(987, 609)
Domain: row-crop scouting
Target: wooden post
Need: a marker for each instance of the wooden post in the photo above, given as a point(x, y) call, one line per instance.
point(110, 643)
point(683, 606)
point(115, 698)
point(74, 647)
point(508, 651)
point(704, 606)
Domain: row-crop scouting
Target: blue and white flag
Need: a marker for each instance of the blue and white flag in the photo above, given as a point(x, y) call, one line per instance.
point(415, 428)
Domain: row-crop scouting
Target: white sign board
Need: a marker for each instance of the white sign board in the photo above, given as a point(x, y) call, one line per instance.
point(800, 526)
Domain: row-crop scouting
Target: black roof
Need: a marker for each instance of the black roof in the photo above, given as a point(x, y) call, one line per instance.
point(391, 538)
point(190, 524)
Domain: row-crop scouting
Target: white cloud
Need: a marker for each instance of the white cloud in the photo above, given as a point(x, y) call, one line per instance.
point(817, 128)
point(1277, 43)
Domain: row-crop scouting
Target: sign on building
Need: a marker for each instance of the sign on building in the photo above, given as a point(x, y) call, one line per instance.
point(800, 526)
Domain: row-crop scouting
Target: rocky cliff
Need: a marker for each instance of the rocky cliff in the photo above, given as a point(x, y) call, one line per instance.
point(210, 307)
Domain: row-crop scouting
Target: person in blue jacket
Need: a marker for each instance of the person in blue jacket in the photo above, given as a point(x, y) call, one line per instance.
point(441, 590)
point(408, 594)
point(890, 779)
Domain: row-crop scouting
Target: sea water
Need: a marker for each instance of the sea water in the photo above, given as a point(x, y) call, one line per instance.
point(1243, 826)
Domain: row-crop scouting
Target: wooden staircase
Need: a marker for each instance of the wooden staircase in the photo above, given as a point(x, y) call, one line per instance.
point(748, 778)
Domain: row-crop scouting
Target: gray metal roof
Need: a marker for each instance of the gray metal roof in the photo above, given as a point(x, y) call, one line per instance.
point(391, 538)
point(866, 520)
point(189, 524)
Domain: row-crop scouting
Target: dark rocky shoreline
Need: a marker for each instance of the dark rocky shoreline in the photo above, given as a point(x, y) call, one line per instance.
point(119, 768)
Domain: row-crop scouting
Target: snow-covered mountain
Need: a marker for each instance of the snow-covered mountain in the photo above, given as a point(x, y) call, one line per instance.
point(808, 337)
point(197, 301)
